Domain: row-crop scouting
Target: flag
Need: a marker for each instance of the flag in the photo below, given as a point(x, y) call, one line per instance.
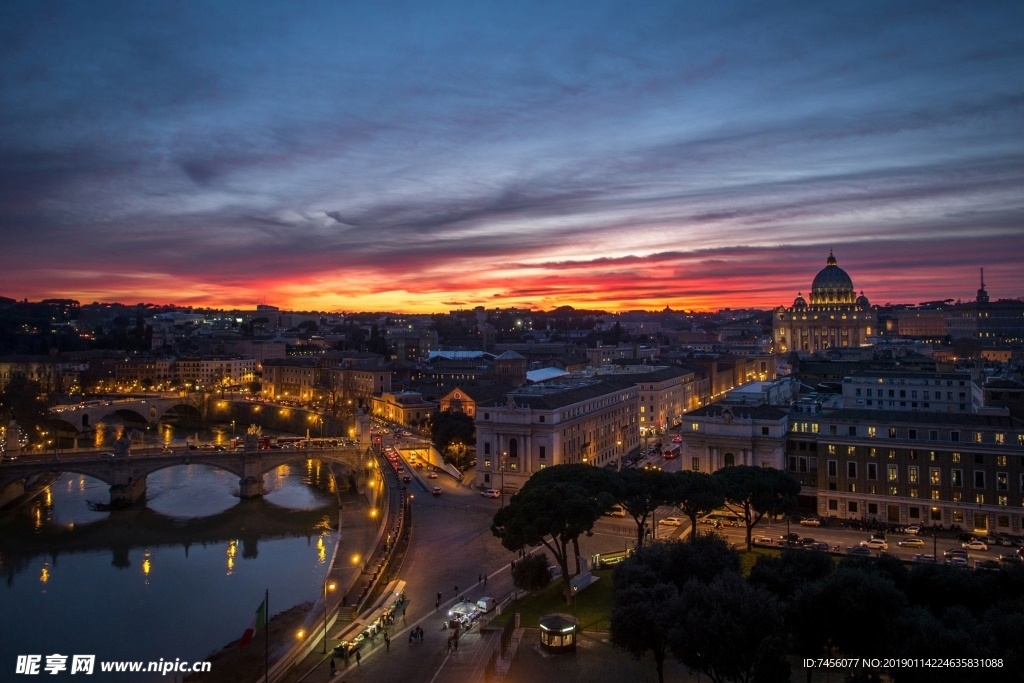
point(258, 621)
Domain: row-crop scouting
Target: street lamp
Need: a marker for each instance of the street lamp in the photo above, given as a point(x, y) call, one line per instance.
point(327, 585)
point(502, 470)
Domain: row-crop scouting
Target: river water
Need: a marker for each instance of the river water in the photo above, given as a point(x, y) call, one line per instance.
point(177, 578)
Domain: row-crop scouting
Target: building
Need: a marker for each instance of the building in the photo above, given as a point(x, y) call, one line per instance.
point(1001, 392)
point(593, 421)
point(290, 378)
point(835, 317)
point(664, 393)
point(53, 373)
point(944, 392)
point(403, 407)
point(989, 321)
point(920, 322)
point(718, 436)
point(466, 399)
point(921, 468)
point(210, 371)
point(151, 372)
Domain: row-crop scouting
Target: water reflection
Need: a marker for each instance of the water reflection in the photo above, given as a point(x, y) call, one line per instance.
point(185, 569)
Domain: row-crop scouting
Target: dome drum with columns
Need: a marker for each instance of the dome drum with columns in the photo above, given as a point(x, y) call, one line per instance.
point(836, 317)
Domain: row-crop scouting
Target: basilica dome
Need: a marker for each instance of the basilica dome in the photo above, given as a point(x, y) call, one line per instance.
point(832, 285)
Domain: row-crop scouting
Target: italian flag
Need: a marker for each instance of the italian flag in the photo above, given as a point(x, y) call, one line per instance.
point(258, 621)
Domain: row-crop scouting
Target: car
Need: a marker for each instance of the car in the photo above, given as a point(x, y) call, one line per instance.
point(807, 541)
point(911, 543)
point(401, 469)
point(986, 565)
point(1010, 558)
point(219, 449)
point(670, 521)
point(436, 491)
point(764, 540)
point(956, 561)
point(924, 558)
point(955, 552)
point(491, 493)
point(793, 537)
point(913, 529)
point(875, 544)
point(818, 545)
point(810, 521)
point(859, 550)
point(432, 475)
point(407, 479)
point(966, 537)
point(419, 465)
point(677, 439)
point(105, 455)
point(975, 545)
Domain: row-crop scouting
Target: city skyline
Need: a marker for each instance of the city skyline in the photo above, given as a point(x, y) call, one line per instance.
point(414, 160)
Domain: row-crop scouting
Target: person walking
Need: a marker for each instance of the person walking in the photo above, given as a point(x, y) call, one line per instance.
point(439, 597)
point(387, 642)
point(437, 604)
point(456, 591)
point(358, 657)
point(485, 579)
point(334, 668)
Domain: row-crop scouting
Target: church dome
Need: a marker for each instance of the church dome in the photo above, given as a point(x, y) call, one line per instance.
point(799, 302)
point(862, 301)
point(832, 285)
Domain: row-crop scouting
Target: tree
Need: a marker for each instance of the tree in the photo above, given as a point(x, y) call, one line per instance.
point(730, 631)
point(640, 493)
point(642, 617)
point(597, 481)
point(753, 492)
point(787, 573)
point(696, 494)
point(677, 562)
point(451, 432)
point(850, 610)
point(21, 400)
point(552, 514)
point(531, 573)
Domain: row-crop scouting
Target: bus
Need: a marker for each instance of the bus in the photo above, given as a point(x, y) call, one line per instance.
point(671, 452)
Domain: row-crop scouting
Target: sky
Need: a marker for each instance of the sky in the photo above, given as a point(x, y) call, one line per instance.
point(424, 157)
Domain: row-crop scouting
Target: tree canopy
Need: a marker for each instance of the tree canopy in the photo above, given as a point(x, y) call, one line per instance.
point(696, 494)
point(753, 492)
point(554, 514)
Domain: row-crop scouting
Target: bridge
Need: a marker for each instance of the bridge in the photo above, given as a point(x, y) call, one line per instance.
point(149, 410)
point(126, 474)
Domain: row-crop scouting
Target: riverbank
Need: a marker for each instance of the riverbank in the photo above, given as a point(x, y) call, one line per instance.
point(234, 665)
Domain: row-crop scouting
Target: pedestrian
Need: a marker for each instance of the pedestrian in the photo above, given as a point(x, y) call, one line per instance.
point(437, 604)
point(439, 597)
point(412, 635)
point(479, 579)
point(334, 668)
point(387, 643)
point(485, 579)
point(449, 644)
point(456, 591)
point(358, 657)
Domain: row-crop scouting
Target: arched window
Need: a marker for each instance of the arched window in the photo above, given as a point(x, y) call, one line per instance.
point(513, 448)
point(730, 460)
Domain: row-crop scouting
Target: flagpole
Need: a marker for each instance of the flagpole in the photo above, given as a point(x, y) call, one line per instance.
point(266, 638)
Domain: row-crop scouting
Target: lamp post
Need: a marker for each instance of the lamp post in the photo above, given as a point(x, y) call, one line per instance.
point(327, 584)
point(502, 470)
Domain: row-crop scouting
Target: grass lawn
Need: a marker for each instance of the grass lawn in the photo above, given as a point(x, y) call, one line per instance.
point(593, 605)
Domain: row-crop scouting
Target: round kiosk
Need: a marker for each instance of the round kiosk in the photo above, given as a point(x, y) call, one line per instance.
point(558, 633)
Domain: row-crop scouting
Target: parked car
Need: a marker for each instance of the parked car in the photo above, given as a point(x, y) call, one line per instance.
point(956, 561)
point(810, 521)
point(436, 491)
point(955, 552)
point(764, 540)
point(911, 543)
point(491, 493)
point(670, 521)
point(975, 545)
point(858, 550)
point(913, 529)
point(987, 565)
point(924, 558)
point(818, 545)
point(1010, 558)
point(875, 544)
point(793, 537)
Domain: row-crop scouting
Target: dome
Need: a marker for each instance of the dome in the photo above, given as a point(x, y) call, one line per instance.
point(862, 301)
point(832, 284)
point(799, 301)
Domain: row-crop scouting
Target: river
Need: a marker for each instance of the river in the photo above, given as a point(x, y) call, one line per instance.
point(177, 578)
